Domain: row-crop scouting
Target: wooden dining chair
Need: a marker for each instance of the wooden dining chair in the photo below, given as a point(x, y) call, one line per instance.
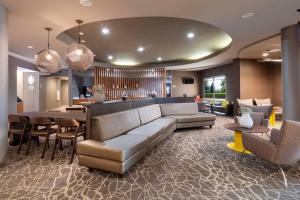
point(42, 127)
point(19, 125)
point(68, 130)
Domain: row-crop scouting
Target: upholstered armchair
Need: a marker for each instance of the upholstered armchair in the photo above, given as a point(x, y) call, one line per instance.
point(258, 119)
point(283, 148)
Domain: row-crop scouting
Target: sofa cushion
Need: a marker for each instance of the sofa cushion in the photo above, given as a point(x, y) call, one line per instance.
point(166, 122)
point(245, 101)
point(263, 102)
point(178, 109)
point(149, 130)
point(149, 113)
point(267, 110)
point(119, 148)
point(105, 127)
point(199, 117)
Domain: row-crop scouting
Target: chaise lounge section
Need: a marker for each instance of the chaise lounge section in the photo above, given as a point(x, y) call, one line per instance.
point(119, 140)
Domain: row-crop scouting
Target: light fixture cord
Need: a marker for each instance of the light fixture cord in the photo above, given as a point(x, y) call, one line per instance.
point(48, 39)
point(79, 39)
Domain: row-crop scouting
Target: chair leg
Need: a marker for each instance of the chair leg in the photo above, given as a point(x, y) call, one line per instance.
point(28, 146)
point(60, 145)
point(37, 141)
point(45, 146)
point(73, 151)
point(284, 177)
point(54, 149)
point(20, 143)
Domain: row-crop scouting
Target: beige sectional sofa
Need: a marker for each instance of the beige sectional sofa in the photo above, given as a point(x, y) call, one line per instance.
point(118, 140)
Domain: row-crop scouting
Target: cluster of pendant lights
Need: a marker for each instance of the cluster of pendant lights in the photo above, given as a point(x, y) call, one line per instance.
point(77, 56)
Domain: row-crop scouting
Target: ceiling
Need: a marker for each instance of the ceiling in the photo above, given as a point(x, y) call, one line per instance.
point(27, 19)
point(265, 50)
point(164, 40)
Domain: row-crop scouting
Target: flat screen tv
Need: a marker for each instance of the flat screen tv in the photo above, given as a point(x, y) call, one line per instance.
point(187, 80)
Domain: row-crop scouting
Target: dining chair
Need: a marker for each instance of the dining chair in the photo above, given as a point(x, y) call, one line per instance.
point(68, 130)
point(42, 127)
point(19, 125)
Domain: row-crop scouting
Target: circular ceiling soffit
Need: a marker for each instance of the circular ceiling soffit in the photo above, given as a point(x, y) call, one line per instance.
point(140, 41)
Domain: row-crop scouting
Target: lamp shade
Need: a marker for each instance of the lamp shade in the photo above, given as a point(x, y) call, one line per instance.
point(48, 59)
point(79, 57)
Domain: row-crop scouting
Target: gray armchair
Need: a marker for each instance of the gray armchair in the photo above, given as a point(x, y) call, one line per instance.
point(283, 148)
point(258, 119)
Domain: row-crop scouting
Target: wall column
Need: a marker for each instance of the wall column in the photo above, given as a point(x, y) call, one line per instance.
point(4, 84)
point(290, 42)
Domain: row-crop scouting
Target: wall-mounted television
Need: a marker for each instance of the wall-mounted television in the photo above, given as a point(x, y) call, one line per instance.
point(188, 80)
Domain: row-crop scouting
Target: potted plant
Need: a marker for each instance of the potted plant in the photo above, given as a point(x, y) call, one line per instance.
point(99, 93)
point(124, 96)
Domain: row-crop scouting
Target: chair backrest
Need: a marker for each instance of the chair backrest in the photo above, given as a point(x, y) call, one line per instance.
point(257, 118)
point(267, 110)
point(41, 121)
point(67, 123)
point(288, 146)
point(17, 120)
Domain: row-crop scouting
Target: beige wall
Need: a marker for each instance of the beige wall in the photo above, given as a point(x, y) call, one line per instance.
point(260, 80)
point(31, 92)
point(255, 80)
point(64, 92)
point(178, 88)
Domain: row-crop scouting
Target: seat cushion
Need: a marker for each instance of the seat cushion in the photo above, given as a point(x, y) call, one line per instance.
point(199, 117)
point(166, 122)
point(119, 148)
point(178, 109)
point(149, 113)
point(105, 127)
point(149, 130)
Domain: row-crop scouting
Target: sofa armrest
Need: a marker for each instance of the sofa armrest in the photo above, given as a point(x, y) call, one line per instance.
point(275, 135)
point(259, 146)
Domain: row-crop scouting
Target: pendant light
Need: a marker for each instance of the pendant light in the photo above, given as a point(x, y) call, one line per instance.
point(48, 59)
point(78, 56)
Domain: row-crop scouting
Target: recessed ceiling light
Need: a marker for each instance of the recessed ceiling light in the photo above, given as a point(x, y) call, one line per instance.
point(86, 3)
point(81, 33)
point(190, 35)
point(30, 47)
point(248, 15)
point(110, 57)
point(265, 54)
point(105, 31)
point(159, 59)
point(140, 49)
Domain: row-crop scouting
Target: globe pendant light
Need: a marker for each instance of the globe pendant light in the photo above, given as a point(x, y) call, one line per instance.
point(78, 56)
point(48, 59)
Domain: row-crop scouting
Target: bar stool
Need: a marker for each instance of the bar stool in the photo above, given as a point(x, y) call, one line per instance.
point(42, 127)
point(68, 130)
point(19, 125)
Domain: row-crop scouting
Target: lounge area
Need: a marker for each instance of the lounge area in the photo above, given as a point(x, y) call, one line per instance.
point(134, 100)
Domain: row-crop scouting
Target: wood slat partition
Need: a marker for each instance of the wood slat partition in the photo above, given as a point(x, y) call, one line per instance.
point(137, 83)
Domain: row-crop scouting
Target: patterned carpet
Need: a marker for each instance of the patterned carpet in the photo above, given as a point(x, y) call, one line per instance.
point(191, 164)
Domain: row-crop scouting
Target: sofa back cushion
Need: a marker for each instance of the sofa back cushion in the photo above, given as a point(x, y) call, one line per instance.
point(263, 102)
point(108, 126)
point(178, 109)
point(149, 113)
point(248, 102)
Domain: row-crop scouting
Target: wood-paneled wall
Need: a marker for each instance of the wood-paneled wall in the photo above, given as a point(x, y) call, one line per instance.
point(137, 83)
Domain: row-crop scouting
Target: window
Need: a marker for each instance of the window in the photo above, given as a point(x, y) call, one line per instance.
point(215, 87)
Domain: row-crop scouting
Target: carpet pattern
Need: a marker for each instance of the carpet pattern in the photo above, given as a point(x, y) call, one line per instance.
point(191, 164)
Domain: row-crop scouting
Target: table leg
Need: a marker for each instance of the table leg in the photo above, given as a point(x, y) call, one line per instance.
point(237, 144)
point(272, 118)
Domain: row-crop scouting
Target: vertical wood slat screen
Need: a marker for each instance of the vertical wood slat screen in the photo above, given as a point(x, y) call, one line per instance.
point(137, 83)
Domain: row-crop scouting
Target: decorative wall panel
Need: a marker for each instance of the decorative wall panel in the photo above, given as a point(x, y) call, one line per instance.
point(137, 83)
